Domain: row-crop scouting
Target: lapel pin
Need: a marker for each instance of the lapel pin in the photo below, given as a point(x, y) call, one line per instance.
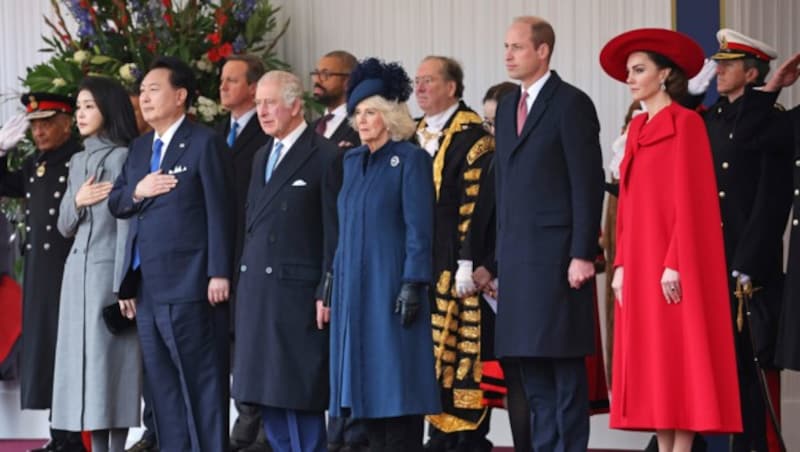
point(394, 161)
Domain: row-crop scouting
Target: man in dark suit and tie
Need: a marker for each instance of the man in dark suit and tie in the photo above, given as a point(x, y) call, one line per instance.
point(243, 134)
point(330, 86)
point(549, 196)
point(174, 188)
point(280, 356)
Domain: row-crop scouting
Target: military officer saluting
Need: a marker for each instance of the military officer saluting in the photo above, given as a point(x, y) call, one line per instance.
point(751, 150)
point(41, 182)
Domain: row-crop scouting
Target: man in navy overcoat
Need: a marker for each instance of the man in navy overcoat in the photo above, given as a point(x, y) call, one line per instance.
point(174, 189)
point(549, 199)
point(280, 356)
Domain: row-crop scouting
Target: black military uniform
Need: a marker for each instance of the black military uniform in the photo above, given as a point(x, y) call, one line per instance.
point(41, 182)
point(751, 150)
point(460, 166)
point(787, 353)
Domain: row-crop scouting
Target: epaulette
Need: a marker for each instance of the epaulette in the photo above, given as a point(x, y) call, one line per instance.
point(481, 147)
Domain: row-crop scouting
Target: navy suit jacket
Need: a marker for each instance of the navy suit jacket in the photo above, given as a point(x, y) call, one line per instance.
point(250, 139)
point(549, 202)
point(184, 236)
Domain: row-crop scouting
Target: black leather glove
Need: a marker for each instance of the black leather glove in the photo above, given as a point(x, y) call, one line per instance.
point(408, 303)
point(327, 289)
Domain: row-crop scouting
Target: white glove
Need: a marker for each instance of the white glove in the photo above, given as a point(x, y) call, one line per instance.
point(699, 83)
point(744, 279)
point(12, 132)
point(464, 283)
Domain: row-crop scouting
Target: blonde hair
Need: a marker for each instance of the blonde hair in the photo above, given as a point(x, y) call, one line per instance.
point(395, 116)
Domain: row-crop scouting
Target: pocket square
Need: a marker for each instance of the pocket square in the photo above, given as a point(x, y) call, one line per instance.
point(299, 183)
point(177, 169)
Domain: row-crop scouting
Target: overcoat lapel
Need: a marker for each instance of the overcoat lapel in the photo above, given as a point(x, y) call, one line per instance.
point(538, 109)
point(302, 149)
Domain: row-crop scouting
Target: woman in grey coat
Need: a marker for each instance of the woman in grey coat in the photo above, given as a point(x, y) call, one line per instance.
point(98, 376)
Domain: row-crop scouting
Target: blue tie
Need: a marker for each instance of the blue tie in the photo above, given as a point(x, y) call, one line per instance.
point(232, 134)
point(155, 163)
point(273, 161)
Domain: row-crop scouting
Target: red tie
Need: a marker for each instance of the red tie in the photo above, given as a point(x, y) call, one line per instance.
point(522, 112)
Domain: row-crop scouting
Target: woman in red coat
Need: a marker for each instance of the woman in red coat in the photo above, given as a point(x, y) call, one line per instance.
point(674, 366)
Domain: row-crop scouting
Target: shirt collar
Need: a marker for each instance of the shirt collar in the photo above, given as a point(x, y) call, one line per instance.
point(535, 89)
point(339, 115)
point(436, 122)
point(289, 140)
point(243, 120)
point(168, 134)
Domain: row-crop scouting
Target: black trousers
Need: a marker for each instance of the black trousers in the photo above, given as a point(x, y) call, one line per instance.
point(395, 434)
point(754, 419)
point(558, 396)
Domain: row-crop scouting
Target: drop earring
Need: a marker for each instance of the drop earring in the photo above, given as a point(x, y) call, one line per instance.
point(663, 86)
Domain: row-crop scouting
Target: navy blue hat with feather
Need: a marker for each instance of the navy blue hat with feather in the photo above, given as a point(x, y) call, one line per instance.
point(374, 77)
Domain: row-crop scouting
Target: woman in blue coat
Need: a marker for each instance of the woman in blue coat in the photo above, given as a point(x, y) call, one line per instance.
point(382, 366)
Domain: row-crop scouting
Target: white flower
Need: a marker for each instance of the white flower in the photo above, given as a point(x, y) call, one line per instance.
point(80, 56)
point(126, 72)
point(207, 108)
point(59, 82)
point(204, 64)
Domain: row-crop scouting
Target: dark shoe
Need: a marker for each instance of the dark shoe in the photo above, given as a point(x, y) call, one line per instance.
point(143, 445)
point(49, 447)
point(257, 447)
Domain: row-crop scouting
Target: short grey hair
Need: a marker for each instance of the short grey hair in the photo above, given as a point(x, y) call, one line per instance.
point(290, 84)
point(396, 117)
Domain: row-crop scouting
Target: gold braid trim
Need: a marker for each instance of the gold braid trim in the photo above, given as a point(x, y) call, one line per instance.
point(473, 175)
point(481, 147)
point(461, 119)
point(449, 423)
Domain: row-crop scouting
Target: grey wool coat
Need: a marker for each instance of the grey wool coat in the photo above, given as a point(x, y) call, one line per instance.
point(98, 376)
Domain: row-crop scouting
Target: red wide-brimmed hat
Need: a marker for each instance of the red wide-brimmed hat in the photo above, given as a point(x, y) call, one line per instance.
point(679, 48)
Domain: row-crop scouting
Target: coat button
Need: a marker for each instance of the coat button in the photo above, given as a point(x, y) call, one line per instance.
point(284, 206)
point(57, 194)
point(27, 228)
point(62, 179)
point(795, 222)
point(243, 268)
point(48, 228)
point(719, 110)
point(28, 246)
point(46, 246)
point(27, 211)
point(268, 270)
point(797, 191)
point(28, 195)
point(52, 211)
point(730, 136)
point(797, 163)
point(31, 180)
point(722, 194)
point(725, 165)
point(74, 250)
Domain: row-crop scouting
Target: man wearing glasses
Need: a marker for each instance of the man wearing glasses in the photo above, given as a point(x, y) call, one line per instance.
point(329, 81)
point(461, 149)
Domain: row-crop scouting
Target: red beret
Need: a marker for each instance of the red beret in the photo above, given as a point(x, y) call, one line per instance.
point(677, 47)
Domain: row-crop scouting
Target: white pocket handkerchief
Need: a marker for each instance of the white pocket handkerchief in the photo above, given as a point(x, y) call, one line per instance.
point(177, 169)
point(299, 183)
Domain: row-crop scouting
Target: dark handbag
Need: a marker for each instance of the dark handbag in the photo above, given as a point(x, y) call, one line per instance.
point(116, 322)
